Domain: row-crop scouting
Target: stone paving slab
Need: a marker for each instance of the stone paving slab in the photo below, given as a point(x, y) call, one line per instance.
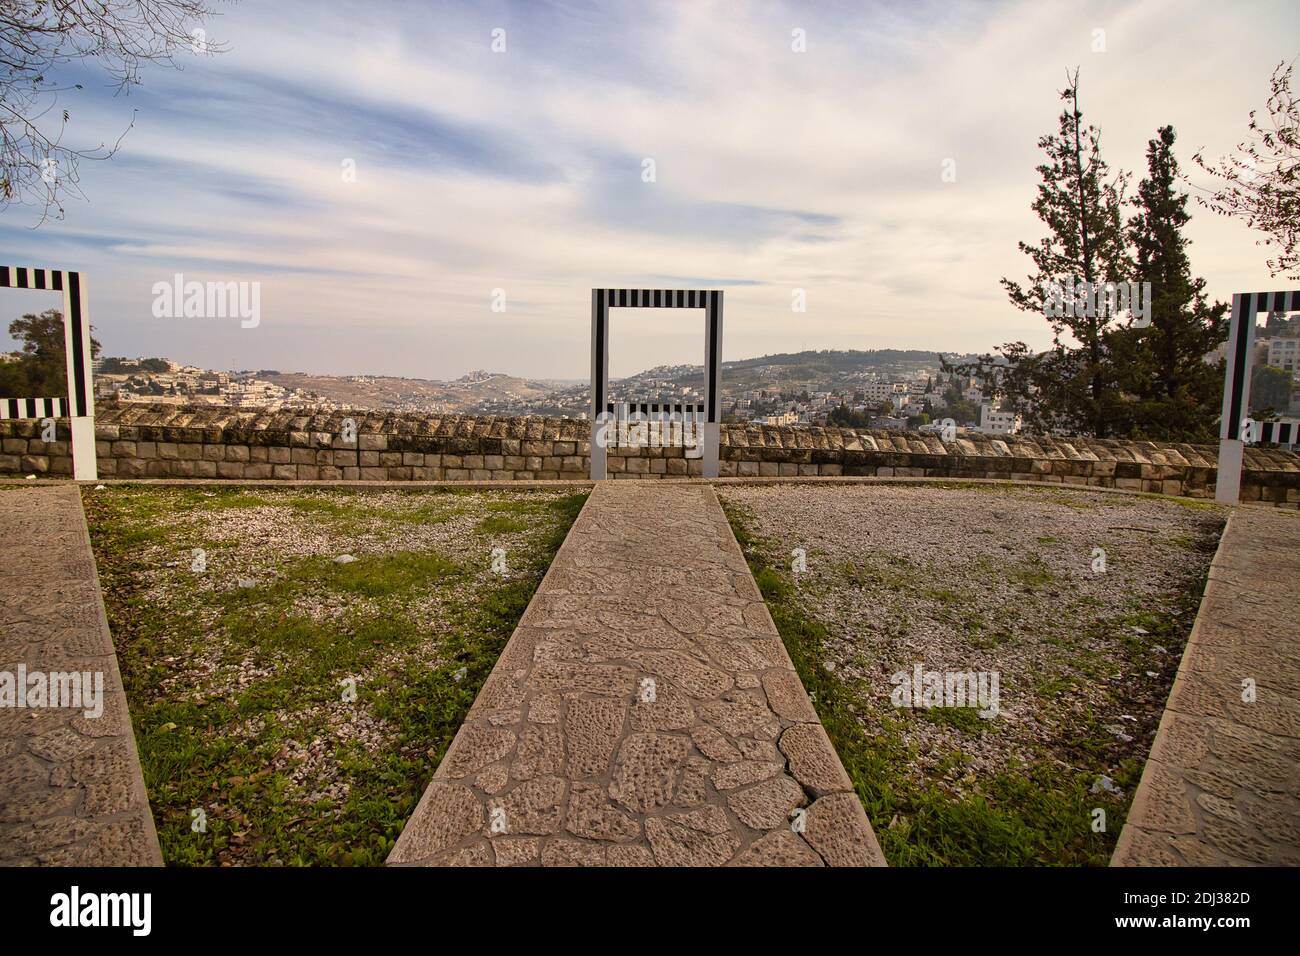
point(71, 790)
point(644, 713)
point(1222, 785)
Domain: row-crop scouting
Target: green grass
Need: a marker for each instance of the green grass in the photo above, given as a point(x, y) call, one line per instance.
point(1192, 504)
point(1031, 573)
point(500, 524)
point(231, 751)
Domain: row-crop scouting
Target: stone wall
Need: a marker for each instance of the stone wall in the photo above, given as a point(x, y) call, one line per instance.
point(165, 441)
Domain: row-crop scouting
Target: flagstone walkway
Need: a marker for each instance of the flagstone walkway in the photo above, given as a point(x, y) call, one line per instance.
point(644, 713)
point(71, 790)
point(1222, 785)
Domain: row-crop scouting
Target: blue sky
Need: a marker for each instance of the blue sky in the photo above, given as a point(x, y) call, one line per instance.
point(522, 171)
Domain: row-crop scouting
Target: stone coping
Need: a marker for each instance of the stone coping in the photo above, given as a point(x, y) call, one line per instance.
point(524, 485)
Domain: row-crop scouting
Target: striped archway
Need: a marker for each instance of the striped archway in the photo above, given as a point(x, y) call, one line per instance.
point(79, 404)
point(710, 300)
point(1236, 389)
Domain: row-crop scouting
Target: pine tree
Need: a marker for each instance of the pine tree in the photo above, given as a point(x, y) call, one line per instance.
point(1069, 388)
point(1171, 392)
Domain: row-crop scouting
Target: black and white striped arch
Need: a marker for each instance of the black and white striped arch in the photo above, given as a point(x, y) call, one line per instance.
point(1279, 433)
point(76, 339)
point(623, 409)
point(33, 407)
point(79, 405)
point(710, 300)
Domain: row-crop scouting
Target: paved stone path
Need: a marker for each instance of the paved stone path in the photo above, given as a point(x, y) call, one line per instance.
point(1222, 785)
point(644, 712)
point(71, 791)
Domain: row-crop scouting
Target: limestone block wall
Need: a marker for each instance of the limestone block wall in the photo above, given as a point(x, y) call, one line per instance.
point(166, 441)
point(1268, 474)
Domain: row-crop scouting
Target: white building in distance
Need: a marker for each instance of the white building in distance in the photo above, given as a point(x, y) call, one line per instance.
point(996, 422)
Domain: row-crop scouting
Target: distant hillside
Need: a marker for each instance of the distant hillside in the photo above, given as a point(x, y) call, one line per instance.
point(490, 392)
point(493, 393)
point(788, 372)
point(391, 392)
point(849, 360)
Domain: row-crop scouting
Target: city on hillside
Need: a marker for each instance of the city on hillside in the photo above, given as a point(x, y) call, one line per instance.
point(891, 389)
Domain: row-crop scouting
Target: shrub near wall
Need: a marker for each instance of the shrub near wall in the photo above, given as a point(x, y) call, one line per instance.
point(164, 441)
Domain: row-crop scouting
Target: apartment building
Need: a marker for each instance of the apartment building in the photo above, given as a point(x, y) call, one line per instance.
point(1284, 354)
point(997, 422)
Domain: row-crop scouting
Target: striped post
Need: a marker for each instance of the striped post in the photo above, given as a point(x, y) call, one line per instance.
point(600, 424)
point(712, 393)
point(79, 405)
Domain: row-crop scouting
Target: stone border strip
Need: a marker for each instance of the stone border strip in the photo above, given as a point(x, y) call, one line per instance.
point(1221, 787)
point(644, 712)
point(524, 484)
point(503, 484)
point(71, 788)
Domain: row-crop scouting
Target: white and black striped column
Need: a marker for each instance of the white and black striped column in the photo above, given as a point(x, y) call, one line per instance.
point(601, 424)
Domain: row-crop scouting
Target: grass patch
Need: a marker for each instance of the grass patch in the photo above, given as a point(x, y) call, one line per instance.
point(1031, 573)
point(238, 694)
point(500, 524)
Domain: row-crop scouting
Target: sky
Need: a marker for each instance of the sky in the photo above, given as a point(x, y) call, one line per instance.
point(516, 179)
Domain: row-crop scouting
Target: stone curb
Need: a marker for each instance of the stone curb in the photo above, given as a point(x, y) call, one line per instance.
point(1125, 853)
point(152, 847)
point(1163, 812)
point(81, 799)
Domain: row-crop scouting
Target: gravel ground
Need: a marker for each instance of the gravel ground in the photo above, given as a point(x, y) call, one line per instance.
point(995, 579)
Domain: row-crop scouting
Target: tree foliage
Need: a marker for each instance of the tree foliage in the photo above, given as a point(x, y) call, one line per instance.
point(1106, 374)
point(845, 417)
point(1070, 388)
point(1170, 392)
point(40, 367)
point(1270, 391)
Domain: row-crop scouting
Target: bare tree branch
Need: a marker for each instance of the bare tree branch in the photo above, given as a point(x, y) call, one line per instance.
point(1260, 180)
point(37, 37)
